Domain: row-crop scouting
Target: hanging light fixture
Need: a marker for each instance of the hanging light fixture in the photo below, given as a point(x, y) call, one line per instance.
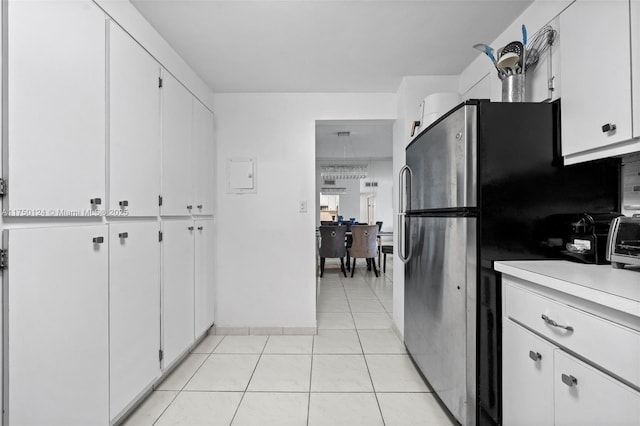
point(344, 171)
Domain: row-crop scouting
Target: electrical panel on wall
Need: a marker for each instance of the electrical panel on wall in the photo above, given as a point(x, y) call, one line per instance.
point(241, 176)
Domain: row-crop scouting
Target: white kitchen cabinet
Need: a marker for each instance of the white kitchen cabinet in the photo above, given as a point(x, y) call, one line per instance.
point(203, 279)
point(177, 173)
point(177, 288)
point(203, 159)
point(635, 67)
point(596, 80)
point(527, 377)
point(57, 326)
point(134, 127)
point(579, 328)
point(586, 396)
point(55, 145)
point(134, 310)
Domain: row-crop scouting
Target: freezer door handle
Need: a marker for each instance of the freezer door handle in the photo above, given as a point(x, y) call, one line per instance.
point(405, 170)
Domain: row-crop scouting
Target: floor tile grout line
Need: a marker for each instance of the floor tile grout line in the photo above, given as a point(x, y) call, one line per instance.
point(235, 413)
point(373, 386)
point(313, 343)
point(188, 380)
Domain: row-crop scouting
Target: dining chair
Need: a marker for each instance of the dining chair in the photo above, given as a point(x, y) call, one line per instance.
point(364, 245)
point(332, 245)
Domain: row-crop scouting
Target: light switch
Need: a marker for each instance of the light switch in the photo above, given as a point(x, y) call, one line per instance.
point(303, 206)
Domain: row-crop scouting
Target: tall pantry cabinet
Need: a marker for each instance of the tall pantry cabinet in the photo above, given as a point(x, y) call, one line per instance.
point(107, 290)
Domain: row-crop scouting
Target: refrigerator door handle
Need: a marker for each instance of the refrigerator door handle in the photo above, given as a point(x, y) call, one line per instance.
point(405, 170)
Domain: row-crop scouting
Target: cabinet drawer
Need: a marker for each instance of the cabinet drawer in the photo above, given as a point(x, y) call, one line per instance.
point(609, 345)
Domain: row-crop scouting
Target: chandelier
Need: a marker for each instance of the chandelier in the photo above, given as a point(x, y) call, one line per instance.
point(344, 171)
point(333, 190)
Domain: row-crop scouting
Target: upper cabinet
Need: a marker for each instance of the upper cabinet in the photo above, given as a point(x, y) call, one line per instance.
point(134, 127)
point(635, 65)
point(55, 149)
point(177, 174)
point(596, 77)
point(203, 159)
point(596, 81)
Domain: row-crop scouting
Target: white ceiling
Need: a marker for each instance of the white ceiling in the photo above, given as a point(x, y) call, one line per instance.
point(367, 139)
point(326, 45)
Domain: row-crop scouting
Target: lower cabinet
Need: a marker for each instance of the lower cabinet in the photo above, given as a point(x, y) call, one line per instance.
point(527, 376)
point(134, 311)
point(203, 267)
point(586, 396)
point(177, 288)
point(56, 327)
point(544, 384)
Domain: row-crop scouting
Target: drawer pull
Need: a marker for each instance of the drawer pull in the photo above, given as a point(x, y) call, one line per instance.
point(608, 127)
point(535, 356)
point(555, 324)
point(200, 228)
point(569, 380)
point(123, 235)
point(190, 228)
point(199, 206)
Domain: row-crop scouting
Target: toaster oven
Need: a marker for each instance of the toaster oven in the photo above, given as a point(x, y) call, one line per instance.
point(623, 242)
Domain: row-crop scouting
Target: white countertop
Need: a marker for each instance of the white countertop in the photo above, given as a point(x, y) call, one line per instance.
point(602, 284)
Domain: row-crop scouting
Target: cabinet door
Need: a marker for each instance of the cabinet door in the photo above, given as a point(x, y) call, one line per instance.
point(56, 107)
point(177, 288)
point(204, 275)
point(134, 126)
point(585, 396)
point(596, 75)
point(527, 377)
point(177, 185)
point(204, 158)
point(57, 328)
point(635, 65)
point(134, 310)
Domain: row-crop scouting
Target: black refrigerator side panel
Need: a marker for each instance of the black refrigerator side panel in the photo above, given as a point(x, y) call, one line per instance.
point(520, 185)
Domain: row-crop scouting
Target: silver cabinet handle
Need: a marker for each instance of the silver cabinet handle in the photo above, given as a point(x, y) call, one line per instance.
point(608, 127)
point(123, 235)
point(95, 201)
point(98, 240)
point(569, 380)
point(405, 170)
point(123, 203)
point(199, 206)
point(200, 228)
point(535, 356)
point(190, 228)
point(555, 324)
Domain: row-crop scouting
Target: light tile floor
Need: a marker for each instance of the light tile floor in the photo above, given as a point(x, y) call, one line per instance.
point(355, 371)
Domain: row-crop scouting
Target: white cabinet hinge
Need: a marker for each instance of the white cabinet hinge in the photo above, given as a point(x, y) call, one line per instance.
point(3, 187)
point(159, 81)
point(160, 236)
point(160, 354)
point(159, 200)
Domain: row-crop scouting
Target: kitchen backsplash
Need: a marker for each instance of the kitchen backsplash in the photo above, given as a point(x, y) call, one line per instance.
point(631, 184)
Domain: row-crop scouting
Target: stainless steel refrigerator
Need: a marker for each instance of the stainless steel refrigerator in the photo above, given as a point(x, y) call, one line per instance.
point(476, 186)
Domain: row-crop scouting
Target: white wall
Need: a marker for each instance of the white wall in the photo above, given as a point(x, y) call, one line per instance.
point(411, 92)
point(266, 263)
point(382, 172)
